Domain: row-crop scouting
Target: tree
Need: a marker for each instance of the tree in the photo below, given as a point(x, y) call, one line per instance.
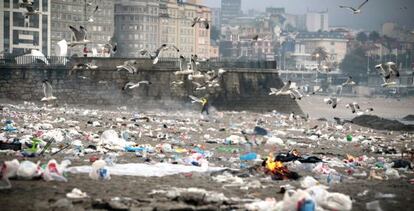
point(362, 37)
point(374, 36)
point(355, 64)
point(215, 33)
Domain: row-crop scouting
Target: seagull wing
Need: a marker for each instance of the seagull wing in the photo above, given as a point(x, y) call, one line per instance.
point(195, 20)
point(347, 7)
point(196, 99)
point(76, 33)
point(363, 3)
point(129, 84)
point(286, 87)
point(83, 32)
point(96, 9)
point(29, 8)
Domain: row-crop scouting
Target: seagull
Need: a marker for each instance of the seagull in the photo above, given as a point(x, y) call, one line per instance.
point(48, 91)
point(255, 37)
point(132, 85)
point(31, 11)
point(349, 82)
point(202, 21)
point(79, 36)
point(353, 106)
point(389, 73)
point(332, 100)
point(368, 110)
point(177, 83)
point(112, 48)
point(194, 99)
point(156, 54)
point(129, 66)
point(199, 86)
point(87, 66)
point(355, 11)
point(25, 3)
point(91, 19)
point(287, 90)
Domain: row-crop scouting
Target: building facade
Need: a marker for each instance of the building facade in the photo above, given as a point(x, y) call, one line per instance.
point(148, 24)
point(335, 44)
point(317, 21)
point(19, 35)
point(77, 13)
point(230, 9)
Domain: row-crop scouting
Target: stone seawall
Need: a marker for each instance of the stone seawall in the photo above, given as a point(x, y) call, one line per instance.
point(241, 88)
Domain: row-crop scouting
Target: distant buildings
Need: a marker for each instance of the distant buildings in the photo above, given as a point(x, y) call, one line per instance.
point(230, 9)
point(100, 25)
point(317, 21)
point(18, 34)
point(148, 24)
point(335, 45)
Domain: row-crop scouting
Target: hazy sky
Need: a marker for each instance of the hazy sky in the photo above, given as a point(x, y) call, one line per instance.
point(373, 13)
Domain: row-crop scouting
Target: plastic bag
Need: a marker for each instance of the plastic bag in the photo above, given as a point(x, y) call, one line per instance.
point(54, 171)
point(29, 170)
point(337, 201)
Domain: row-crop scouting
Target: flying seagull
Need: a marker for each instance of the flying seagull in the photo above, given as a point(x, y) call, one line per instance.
point(194, 99)
point(91, 18)
point(389, 73)
point(155, 56)
point(202, 21)
point(25, 3)
point(48, 91)
point(79, 36)
point(331, 101)
point(132, 85)
point(353, 106)
point(287, 90)
point(355, 11)
point(30, 10)
point(128, 66)
point(88, 66)
point(349, 82)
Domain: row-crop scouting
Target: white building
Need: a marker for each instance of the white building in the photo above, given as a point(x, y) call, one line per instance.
point(335, 45)
point(317, 21)
point(18, 34)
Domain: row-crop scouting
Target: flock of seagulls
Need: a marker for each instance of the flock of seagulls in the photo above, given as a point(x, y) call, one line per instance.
point(200, 79)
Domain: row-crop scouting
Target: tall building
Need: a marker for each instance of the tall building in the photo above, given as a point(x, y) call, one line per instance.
point(230, 9)
point(216, 17)
point(136, 26)
point(317, 21)
point(18, 35)
point(75, 13)
point(148, 24)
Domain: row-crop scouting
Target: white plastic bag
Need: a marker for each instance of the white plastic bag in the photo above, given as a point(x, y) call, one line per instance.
point(54, 171)
point(29, 170)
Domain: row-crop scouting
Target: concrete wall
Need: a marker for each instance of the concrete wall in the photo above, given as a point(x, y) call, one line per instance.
point(241, 89)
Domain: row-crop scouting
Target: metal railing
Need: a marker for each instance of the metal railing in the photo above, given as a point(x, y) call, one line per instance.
point(164, 62)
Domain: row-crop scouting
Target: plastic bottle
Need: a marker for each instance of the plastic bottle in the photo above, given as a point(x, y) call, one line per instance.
point(99, 171)
point(248, 156)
